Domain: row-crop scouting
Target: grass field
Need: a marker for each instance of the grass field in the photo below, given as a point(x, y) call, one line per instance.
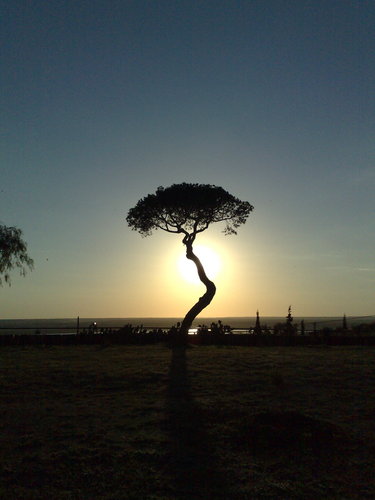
point(149, 422)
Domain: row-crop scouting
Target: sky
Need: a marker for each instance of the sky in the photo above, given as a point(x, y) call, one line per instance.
point(273, 100)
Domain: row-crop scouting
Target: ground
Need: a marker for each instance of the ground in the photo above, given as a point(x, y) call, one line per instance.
point(150, 422)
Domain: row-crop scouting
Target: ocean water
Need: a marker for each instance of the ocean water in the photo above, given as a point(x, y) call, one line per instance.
point(69, 325)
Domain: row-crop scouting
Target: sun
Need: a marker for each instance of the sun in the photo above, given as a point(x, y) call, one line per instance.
point(210, 261)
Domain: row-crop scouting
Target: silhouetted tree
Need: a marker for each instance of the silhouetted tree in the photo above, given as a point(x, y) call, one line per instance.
point(189, 209)
point(13, 253)
point(289, 330)
point(257, 327)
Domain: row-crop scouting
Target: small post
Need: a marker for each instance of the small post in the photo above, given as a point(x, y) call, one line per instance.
point(77, 325)
point(344, 323)
point(302, 327)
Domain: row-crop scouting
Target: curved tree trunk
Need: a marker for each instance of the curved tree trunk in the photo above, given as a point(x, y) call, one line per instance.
point(205, 299)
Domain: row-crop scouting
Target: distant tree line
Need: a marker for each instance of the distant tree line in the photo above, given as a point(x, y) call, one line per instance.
point(283, 334)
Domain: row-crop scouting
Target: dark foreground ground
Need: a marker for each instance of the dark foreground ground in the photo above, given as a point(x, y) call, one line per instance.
point(148, 422)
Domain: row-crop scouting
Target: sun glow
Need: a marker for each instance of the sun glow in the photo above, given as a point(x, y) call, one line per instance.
point(210, 261)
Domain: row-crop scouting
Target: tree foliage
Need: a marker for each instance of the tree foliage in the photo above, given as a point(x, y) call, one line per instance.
point(188, 209)
point(13, 253)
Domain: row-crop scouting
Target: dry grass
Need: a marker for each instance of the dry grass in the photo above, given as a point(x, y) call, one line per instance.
point(148, 422)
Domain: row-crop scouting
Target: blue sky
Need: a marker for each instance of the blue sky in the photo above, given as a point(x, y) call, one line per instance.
point(104, 101)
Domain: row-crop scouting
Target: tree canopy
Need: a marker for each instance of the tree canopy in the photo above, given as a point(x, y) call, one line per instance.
point(188, 209)
point(13, 253)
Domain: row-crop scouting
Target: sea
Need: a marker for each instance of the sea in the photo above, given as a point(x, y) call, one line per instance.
point(239, 324)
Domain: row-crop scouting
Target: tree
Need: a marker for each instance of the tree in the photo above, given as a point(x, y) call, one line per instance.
point(13, 253)
point(189, 209)
point(289, 329)
point(257, 328)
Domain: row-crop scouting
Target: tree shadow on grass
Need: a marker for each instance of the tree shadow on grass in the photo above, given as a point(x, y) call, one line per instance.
point(192, 462)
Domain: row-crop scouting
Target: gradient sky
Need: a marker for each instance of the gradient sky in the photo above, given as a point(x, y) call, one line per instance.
point(104, 101)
